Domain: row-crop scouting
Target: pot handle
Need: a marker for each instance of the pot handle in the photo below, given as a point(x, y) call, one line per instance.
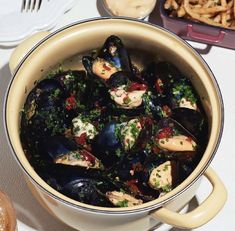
point(204, 37)
point(203, 213)
point(23, 48)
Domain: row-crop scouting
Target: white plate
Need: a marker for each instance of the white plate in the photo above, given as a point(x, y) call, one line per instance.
point(15, 25)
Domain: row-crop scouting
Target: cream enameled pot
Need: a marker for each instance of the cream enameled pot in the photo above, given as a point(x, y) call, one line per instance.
point(145, 41)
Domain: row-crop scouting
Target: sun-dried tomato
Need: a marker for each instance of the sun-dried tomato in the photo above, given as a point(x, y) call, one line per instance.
point(81, 139)
point(70, 103)
point(132, 186)
point(165, 133)
point(136, 87)
point(166, 110)
point(107, 68)
point(87, 156)
point(159, 86)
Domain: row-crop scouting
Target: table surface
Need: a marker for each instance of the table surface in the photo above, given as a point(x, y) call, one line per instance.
point(31, 216)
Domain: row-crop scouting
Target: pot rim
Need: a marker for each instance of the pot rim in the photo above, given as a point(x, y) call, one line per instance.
point(129, 210)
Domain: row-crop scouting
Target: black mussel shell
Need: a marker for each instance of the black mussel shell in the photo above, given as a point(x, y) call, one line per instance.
point(47, 93)
point(72, 80)
point(55, 146)
point(44, 111)
point(87, 62)
point(167, 128)
point(45, 122)
point(145, 134)
point(152, 106)
point(194, 121)
point(182, 90)
point(112, 52)
point(129, 167)
point(132, 171)
point(107, 146)
point(118, 79)
point(90, 190)
point(84, 190)
point(115, 53)
point(164, 72)
point(123, 78)
point(60, 150)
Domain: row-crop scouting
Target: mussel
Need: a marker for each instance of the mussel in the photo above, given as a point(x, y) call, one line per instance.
point(174, 141)
point(194, 121)
point(112, 57)
point(107, 145)
point(44, 113)
point(61, 150)
point(85, 190)
point(160, 77)
point(170, 87)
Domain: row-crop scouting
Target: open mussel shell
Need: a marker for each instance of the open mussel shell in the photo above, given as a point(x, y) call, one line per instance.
point(47, 93)
point(111, 58)
point(145, 134)
point(160, 174)
point(107, 147)
point(71, 80)
point(169, 85)
point(118, 79)
point(85, 190)
point(114, 52)
point(174, 141)
point(160, 76)
point(87, 63)
point(194, 121)
point(77, 183)
point(60, 150)
point(89, 188)
point(45, 113)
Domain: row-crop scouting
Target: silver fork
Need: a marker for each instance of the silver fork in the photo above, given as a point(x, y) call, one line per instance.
point(30, 5)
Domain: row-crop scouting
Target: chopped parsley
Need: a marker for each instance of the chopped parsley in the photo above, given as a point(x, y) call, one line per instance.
point(118, 152)
point(77, 155)
point(166, 188)
point(183, 90)
point(123, 203)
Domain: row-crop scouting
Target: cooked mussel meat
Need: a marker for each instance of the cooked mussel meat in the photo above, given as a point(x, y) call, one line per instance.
point(174, 141)
point(64, 151)
point(112, 57)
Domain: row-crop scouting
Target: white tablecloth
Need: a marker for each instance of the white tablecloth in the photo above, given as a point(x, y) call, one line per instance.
point(31, 216)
